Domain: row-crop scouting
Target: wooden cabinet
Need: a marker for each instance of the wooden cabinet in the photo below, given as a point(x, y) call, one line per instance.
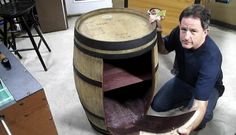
point(115, 70)
point(116, 67)
point(173, 9)
point(29, 112)
point(29, 116)
point(121, 73)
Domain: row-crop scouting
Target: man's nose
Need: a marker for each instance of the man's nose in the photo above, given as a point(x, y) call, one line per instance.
point(187, 34)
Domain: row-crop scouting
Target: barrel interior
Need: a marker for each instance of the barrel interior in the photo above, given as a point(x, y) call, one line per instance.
point(127, 90)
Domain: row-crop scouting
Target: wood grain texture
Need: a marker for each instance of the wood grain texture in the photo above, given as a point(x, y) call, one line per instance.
point(173, 9)
point(114, 91)
point(30, 115)
point(114, 25)
point(90, 67)
point(115, 77)
point(91, 97)
point(114, 33)
point(132, 70)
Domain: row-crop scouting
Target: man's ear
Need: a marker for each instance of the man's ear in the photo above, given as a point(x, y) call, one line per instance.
point(206, 31)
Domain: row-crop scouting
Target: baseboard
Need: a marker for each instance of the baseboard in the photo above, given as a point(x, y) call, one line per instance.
point(223, 24)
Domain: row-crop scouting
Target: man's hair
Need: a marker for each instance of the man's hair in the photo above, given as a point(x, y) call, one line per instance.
point(197, 11)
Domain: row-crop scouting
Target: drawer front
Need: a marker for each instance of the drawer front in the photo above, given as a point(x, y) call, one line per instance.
point(29, 116)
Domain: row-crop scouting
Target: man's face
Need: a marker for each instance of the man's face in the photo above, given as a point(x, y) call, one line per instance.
point(192, 35)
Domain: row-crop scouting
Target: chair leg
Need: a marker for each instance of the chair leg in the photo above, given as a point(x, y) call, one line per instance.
point(5, 32)
point(13, 45)
point(33, 43)
point(42, 38)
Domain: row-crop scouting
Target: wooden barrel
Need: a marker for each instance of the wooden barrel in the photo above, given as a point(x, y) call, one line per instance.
point(102, 37)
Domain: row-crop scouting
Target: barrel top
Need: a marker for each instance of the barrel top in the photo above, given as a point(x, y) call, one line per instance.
point(114, 25)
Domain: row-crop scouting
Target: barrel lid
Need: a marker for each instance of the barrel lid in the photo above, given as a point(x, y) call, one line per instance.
point(114, 25)
point(114, 29)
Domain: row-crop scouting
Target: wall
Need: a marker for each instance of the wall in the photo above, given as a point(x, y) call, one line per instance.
point(222, 12)
point(78, 7)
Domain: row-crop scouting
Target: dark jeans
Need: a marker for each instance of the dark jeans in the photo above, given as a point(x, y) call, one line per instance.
point(176, 93)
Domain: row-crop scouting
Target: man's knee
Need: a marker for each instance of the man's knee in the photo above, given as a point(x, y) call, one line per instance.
point(159, 107)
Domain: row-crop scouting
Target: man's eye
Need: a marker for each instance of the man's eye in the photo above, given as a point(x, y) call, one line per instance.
point(193, 31)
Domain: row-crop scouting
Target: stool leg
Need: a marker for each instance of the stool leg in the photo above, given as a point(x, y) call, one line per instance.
point(41, 36)
point(36, 26)
point(5, 32)
point(13, 45)
point(33, 43)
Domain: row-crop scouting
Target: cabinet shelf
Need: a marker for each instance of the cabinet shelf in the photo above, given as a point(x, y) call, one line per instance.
point(116, 77)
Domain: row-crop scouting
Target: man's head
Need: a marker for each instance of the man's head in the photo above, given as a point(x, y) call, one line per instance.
point(194, 26)
point(197, 11)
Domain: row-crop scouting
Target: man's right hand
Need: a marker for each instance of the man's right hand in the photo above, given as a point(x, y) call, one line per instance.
point(155, 16)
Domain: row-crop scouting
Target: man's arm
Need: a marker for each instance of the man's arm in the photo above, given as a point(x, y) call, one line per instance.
point(200, 107)
point(161, 44)
point(154, 18)
point(160, 41)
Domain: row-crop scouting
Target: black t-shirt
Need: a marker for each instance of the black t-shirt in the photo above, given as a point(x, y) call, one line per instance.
point(200, 68)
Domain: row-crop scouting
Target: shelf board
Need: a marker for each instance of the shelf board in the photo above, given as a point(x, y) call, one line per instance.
point(115, 77)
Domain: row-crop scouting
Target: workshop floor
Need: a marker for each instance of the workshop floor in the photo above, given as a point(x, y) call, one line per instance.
point(68, 114)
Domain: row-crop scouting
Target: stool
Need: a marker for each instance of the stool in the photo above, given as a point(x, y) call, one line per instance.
point(15, 11)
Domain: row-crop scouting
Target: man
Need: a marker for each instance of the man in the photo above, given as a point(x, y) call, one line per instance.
point(198, 82)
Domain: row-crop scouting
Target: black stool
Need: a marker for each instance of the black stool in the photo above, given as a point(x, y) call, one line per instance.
point(17, 11)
